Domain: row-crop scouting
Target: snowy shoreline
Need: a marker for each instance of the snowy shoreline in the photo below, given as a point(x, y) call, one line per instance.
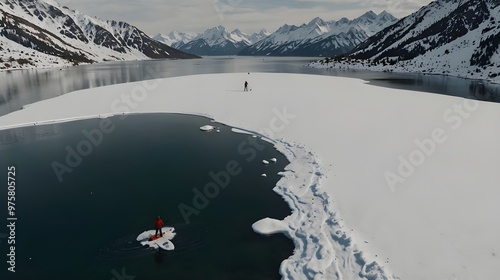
point(402, 69)
point(64, 64)
point(341, 136)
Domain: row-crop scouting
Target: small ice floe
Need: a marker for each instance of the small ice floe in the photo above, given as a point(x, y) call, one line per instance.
point(274, 160)
point(149, 238)
point(218, 130)
point(105, 116)
point(269, 226)
point(263, 175)
point(207, 128)
point(240, 131)
point(265, 162)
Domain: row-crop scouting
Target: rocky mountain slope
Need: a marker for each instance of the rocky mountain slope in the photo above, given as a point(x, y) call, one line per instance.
point(43, 33)
point(452, 37)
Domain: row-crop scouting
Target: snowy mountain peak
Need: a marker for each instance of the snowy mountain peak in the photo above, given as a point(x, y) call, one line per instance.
point(256, 37)
point(238, 32)
point(369, 15)
point(286, 29)
point(320, 37)
point(264, 32)
point(174, 38)
point(219, 35)
point(343, 20)
point(219, 28)
point(316, 21)
point(384, 15)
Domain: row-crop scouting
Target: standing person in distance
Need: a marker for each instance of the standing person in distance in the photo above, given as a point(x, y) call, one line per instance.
point(246, 86)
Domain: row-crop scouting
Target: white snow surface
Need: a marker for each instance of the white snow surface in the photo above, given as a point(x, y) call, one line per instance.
point(38, 59)
point(342, 137)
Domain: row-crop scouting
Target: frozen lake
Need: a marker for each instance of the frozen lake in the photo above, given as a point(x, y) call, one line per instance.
point(18, 88)
point(34, 149)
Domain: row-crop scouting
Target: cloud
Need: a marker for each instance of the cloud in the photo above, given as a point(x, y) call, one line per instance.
point(397, 8)
point(153, 16)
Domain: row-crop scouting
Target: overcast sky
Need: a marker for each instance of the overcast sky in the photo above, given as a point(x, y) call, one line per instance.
point(155, 16)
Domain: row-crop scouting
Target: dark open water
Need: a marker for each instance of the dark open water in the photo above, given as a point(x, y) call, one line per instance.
point(85, 226)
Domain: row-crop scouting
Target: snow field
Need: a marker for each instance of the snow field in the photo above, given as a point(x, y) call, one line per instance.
point(341, 137)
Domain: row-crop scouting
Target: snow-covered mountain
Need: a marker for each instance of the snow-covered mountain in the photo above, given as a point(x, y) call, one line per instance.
point(175, 38)
point(454, 37)
point(256, 37)
point(219, 41)
point(41, 32)
point(321, 38)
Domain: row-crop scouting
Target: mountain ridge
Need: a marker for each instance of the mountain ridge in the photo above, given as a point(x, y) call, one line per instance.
point(321, 38)
point(450, 37)
point(220, 41)
point(50, 32)
point(175, 38)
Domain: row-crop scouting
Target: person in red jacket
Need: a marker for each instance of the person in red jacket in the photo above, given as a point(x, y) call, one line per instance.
point(158, 225)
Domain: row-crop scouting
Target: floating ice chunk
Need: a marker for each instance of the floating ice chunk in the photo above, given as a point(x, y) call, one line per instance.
point(237, 130)
point(265, 162)
point(162, 242)
point(207, 128)
point(269, 226)
point(218, 130)
point(274, 160)
point(105, 116)
point(264, 175)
